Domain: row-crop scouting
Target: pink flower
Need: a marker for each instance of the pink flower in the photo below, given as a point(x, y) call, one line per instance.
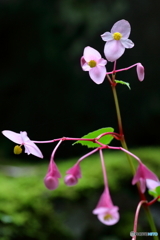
point(51, 179)
point(117, 40)
point(106, 212)
point(142, 174)
point(93, 62)
point(140, 71)
point(73, 174)
point(23, 139)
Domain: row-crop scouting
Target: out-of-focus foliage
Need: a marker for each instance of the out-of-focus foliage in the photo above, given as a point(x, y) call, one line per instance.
point(29, 211)
point(43, 89)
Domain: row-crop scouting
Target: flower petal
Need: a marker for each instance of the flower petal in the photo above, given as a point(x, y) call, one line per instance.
point(91, 54)
point(110, 221)
point(107, 36)
point(97, 74)
point(140, 71)
point(102, 62)
point(14, 137)
point(31, 148)
point(127, 43)
point(84, 65)
point(122, 27)
point(113, 50)
point(151, 184)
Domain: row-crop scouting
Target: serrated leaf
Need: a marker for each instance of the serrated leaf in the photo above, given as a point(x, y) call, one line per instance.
point(124, 83)
point(105, 139)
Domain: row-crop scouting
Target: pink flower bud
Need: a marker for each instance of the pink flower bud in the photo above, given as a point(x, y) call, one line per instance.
point(70, 180)
point(73, 174)
point(51, 179)
point(140, 71)
point(51, 182)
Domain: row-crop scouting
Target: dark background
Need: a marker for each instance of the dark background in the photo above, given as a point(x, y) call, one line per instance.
point(43, 89)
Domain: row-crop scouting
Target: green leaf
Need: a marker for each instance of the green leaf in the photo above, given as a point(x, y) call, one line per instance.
point(124, 83)
point(155, 192)
point(105, 139)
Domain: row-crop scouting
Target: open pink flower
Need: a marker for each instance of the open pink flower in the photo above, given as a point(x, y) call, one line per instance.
point(93, 62)
point(140, 71)
point(106, 212)
point(51, 179)
point(117, 40)
point(22, 139)
point(72, 175)
point(142, 174)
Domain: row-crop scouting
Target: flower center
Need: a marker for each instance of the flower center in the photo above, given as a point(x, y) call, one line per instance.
point(92, 63)
point(17, 149)
point(117, 36)
point(107, 216)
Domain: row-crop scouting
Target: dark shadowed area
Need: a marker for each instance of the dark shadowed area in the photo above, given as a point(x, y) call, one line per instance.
point(43, 88)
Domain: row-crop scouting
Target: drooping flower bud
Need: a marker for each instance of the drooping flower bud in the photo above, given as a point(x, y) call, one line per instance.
point(72, 175)
point(51, 179)
point(140, 71)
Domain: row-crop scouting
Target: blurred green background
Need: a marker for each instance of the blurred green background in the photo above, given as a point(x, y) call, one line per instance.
point(44, 91)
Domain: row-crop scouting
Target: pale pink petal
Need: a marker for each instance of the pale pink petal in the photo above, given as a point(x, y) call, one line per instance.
point(91, 54)
point(107, 36)
point(140, 71)
point(127, 43)
point(113, 50)
point(151, 184)
point(97, 74)
point(31, 148)
point(70, 180)
point(122, 27)
point(24, 137)
point(51, 182)
point(111, 221)
point(84, 65)
point(102, 62)
point(15, 137)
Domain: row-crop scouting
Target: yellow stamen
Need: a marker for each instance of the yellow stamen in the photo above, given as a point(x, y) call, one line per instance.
point(92, 63)
point(117, 36)
point(17, 150)
point(107, 216)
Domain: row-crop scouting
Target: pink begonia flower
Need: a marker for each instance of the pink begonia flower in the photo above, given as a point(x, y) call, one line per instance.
point(51, 179)
point(151, 184)
point(142, 174)
point(117, 40)
point(93, 62)
point(73, 174)
point(140, 71)
point(22, 139)
point(106, 212)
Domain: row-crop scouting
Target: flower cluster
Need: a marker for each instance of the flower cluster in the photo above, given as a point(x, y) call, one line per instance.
point(116, 43)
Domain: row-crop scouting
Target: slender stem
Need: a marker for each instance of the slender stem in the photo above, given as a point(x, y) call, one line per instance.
point(103, 168)
point(124, 145)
